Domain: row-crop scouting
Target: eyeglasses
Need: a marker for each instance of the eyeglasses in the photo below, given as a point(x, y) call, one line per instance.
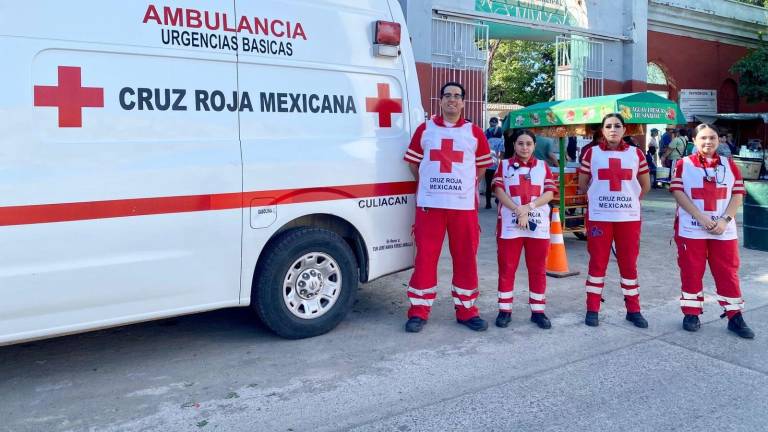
point(614, 126)
point(457, 96)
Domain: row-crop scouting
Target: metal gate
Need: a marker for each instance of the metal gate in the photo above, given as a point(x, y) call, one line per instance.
point(460, 53)
point(578, 68)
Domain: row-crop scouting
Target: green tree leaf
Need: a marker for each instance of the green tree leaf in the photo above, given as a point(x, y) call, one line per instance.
point(752, 70)
point(521, 72)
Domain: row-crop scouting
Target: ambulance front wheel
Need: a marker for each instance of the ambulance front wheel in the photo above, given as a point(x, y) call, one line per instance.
point(306, 283)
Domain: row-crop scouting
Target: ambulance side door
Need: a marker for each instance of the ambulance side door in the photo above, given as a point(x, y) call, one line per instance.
point(121, 172)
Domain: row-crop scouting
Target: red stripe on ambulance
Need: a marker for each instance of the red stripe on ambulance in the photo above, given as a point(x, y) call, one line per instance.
point(68, 212)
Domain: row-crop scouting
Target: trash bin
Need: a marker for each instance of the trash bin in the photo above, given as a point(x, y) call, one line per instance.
point(756, 215)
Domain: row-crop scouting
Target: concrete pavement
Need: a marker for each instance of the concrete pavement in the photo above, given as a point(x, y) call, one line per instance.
point(222, 371)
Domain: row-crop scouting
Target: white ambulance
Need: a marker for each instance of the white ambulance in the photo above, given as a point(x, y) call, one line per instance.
point(160, 158)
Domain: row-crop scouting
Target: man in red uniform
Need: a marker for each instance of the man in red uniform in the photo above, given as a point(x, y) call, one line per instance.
point(446, 156)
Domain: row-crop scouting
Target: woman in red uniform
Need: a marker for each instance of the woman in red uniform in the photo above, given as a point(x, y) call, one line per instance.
point(708, 190)
point(524, 186)
point(617, 176)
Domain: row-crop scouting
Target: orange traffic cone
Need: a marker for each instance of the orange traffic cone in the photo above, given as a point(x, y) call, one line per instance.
point(557, 261)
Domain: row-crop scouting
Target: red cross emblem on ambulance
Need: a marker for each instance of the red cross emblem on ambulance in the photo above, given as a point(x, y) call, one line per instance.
point(69, 96)
point(615, 174)
point(384, 105)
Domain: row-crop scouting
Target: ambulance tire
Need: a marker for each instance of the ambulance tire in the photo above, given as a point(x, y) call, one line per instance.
point(267, 293)
point(580, 235)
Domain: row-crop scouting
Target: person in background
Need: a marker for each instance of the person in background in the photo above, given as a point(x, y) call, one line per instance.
point(495, 138)
point(689, 147)
point(525, 186)
point(731, 143)
point(674, 152)
point(653, 141)
point(615, 177)
point(494, 131)
point(650, 159)
point(544, 151)
point(708, 191)
point(723, 149)
point(666, 138)
point(573, 147)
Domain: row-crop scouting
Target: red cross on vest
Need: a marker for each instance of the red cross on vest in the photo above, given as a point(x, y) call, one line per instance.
point(710, 193)
point(384, 105)
point(614, 174)
point(525, 190)
point(446, 155)
point(69, 97)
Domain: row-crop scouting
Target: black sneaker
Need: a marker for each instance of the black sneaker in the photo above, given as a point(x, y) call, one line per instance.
point(637, 319)
point(415, 324)
point(541, 320)
point(487, 205)
point(691, 323)
point(503, 319)
point(591, 319)
point(737, 325)
point(474, 323)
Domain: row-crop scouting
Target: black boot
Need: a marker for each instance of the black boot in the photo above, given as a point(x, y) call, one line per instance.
point(592, 319)
point(691, 323)
point(474, 323)
point(737, 325)
point(415, 324)
point(541, 320)
point(637, 319)
point(503, 319)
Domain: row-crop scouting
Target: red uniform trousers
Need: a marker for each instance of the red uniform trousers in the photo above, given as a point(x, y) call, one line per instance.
point(463, 238)
point(536, 251)
point(600, 235)
point(723, 258)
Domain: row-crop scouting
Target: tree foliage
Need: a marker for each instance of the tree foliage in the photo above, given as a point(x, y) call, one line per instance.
point(752, 70)
point(763, 3)
point(521, 72)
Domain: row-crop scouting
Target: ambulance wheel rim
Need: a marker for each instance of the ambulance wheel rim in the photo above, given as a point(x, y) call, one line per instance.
point(312, 285)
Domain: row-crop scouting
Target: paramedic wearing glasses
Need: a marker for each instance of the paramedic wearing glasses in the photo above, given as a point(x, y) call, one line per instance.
point(617, 176)
point(447, 154)
point(708, 190)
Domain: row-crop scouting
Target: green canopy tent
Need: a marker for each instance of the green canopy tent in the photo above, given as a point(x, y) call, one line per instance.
point(571, 118)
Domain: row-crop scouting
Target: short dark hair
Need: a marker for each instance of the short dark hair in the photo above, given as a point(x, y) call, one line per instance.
point(613, 115)
point(509, 141)
point(493, 120)
point(703, 126)
point(454, 84)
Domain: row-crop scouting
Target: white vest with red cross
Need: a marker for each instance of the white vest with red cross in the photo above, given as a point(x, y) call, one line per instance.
point(711, 197)
point(614, 194)
point(447, 174)
point(524, 185)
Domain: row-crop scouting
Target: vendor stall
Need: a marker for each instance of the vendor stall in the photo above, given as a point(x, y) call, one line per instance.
point(562, 119)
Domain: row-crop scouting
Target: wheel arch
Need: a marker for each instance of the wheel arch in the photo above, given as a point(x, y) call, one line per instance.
point(330, 222)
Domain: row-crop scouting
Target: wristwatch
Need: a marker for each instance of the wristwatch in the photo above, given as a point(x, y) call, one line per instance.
point(727, 218)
